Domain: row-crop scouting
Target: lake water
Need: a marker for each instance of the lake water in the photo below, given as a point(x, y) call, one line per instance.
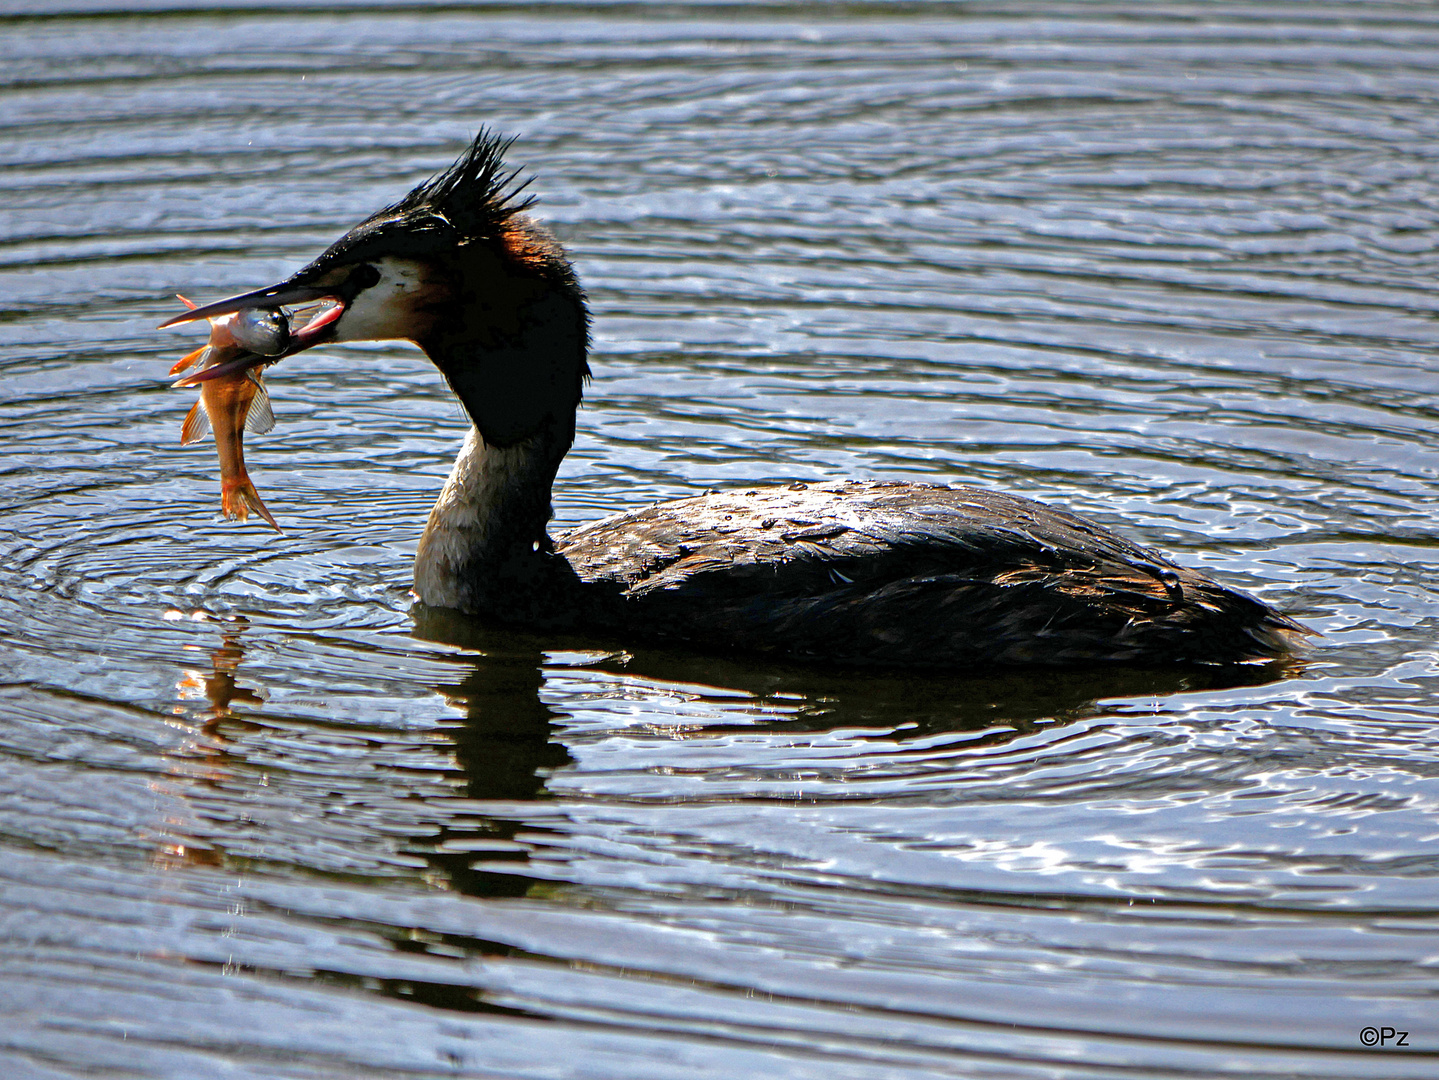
point(1169, 265)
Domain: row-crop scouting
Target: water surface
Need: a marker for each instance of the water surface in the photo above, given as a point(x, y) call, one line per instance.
point(1167, 265)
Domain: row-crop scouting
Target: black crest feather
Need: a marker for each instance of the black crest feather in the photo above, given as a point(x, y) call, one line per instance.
point(475, 194)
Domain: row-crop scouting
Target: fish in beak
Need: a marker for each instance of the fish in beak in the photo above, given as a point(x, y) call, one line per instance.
point(233, 399)
point(248, 333)
point(378, 282)
point(258, 329)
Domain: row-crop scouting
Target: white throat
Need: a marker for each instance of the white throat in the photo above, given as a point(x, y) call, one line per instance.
point(493, 506)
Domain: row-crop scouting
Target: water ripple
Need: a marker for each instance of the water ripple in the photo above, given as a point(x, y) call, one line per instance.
point(1162, 265)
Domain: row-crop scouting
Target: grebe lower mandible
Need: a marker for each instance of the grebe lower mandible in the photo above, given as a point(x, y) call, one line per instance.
point(860, 572)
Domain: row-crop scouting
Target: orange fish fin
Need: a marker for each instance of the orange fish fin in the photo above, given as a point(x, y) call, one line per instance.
point(188, 303)
point(260, 508)
point(196, 425)
point(189, 360)
point(238, 497)
point(260, 418)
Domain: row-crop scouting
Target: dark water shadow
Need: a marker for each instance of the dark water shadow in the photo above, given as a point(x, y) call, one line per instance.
point(823, 698)
point(506, 746)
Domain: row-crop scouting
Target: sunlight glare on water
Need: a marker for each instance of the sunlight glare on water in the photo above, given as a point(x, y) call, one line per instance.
point(1168, 266)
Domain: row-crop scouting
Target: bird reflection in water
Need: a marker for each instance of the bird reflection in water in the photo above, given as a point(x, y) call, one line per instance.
point(502, 748)
point(464, 795)
point(506, 746)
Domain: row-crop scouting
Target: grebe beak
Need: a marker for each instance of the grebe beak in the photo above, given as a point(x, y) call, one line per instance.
point(285, 294)
point(290, 293)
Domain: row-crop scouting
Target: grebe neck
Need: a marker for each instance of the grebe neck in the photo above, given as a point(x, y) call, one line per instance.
point(486, 536)
point(512, 346)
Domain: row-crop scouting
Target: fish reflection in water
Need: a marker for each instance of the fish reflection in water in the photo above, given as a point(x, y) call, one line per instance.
point(219, 686)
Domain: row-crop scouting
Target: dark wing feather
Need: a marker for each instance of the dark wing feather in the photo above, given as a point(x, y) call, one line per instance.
point(898, 573)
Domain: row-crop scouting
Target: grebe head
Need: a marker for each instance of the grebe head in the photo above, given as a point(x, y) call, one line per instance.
point(457, 267)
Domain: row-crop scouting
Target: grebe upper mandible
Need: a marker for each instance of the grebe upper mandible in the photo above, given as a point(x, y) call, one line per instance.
point(863, 572)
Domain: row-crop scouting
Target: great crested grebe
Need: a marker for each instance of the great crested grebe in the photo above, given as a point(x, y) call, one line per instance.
point(857, 572)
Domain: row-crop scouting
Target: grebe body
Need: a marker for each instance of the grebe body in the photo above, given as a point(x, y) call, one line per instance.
point(884, 573)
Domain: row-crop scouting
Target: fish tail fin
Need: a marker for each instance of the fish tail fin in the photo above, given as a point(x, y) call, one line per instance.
point(238, 497)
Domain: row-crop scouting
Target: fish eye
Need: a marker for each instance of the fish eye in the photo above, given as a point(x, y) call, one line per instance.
point(363, 277)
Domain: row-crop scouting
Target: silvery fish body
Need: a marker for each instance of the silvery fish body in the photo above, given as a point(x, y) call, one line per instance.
point(263, 331)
